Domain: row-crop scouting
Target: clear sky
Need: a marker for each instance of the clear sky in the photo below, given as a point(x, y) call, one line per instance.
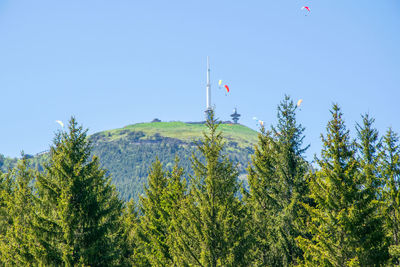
point(116, 62)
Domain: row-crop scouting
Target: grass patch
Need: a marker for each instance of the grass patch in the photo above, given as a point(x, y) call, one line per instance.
point(188, 132)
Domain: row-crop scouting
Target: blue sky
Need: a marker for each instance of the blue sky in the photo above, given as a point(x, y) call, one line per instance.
point(114, 63)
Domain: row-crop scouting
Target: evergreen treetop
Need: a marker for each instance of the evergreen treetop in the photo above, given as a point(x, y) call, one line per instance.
point(80, 208)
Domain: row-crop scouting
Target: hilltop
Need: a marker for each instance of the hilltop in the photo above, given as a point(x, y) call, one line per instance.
point(184, 131)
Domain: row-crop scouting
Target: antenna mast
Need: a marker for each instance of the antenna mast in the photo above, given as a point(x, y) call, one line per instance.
point(208, 89)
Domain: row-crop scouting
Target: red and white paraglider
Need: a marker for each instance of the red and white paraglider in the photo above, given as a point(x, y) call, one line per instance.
point(306, 8)
point(227, 88)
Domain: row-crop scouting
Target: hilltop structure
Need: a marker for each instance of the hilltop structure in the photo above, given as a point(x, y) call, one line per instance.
point(235, 116)
point(208, 91)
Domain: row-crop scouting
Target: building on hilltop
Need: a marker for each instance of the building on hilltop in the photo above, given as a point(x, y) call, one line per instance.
point(235, 116)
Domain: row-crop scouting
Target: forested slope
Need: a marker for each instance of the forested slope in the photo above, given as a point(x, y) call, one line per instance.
point(128, 152)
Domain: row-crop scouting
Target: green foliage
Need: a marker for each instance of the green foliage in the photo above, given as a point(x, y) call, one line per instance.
point(5, 192)
point(159, 207)
point(277, 187)
point(127, 153)
point(79, 209)
point(60, 209)
point(211, 225)
point(155, 218)
point(17, 243)
point(7, 163)
point(129, 157)
point(344, 225)
point(373, 248)
point(390, 169)
point(132, 247)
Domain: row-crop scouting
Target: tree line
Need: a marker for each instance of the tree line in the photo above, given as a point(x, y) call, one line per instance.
point(344, 211)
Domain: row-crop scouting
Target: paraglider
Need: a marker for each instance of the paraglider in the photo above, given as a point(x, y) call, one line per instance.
point(61, 123)
point(227, 88)
point(258, 122)
point(306, 8)
point(299, 102)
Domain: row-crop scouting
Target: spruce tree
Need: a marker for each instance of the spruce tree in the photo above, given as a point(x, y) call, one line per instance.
point(6, 184)
point(132, 247)
point(18, 245)
point(369, 221)
point(390, 170)
point(261, 201)
point(159, 207)
point(211, 224)
point(155, 219)
point(278, 188)
point(342, 219)
point(79, 209)
point(173, 199)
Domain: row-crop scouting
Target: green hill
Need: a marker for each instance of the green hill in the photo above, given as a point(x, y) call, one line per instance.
point(186, 132)
point(128, 152)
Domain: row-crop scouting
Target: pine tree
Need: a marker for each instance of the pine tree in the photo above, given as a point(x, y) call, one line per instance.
point(342, 220)
point(155, 219)
point(369, 221)
point(6, 184)
point(17, 245)
point(211, 223)
point(79, 209)
point(159, 207)
point(277, 188)
point(132, 248)
point(261, 200)
point(173, 199)
point(390, 169)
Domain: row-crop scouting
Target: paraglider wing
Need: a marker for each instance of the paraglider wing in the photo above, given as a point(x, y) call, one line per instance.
point(227, 88)
point(306, 7)
point(61, 123)
point(219, 82)
point(299, 102)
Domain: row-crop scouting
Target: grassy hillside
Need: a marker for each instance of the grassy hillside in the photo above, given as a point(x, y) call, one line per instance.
point(187, 132)
point(128, 152)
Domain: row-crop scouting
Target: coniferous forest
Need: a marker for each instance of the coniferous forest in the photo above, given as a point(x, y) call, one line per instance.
point(344, 210)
